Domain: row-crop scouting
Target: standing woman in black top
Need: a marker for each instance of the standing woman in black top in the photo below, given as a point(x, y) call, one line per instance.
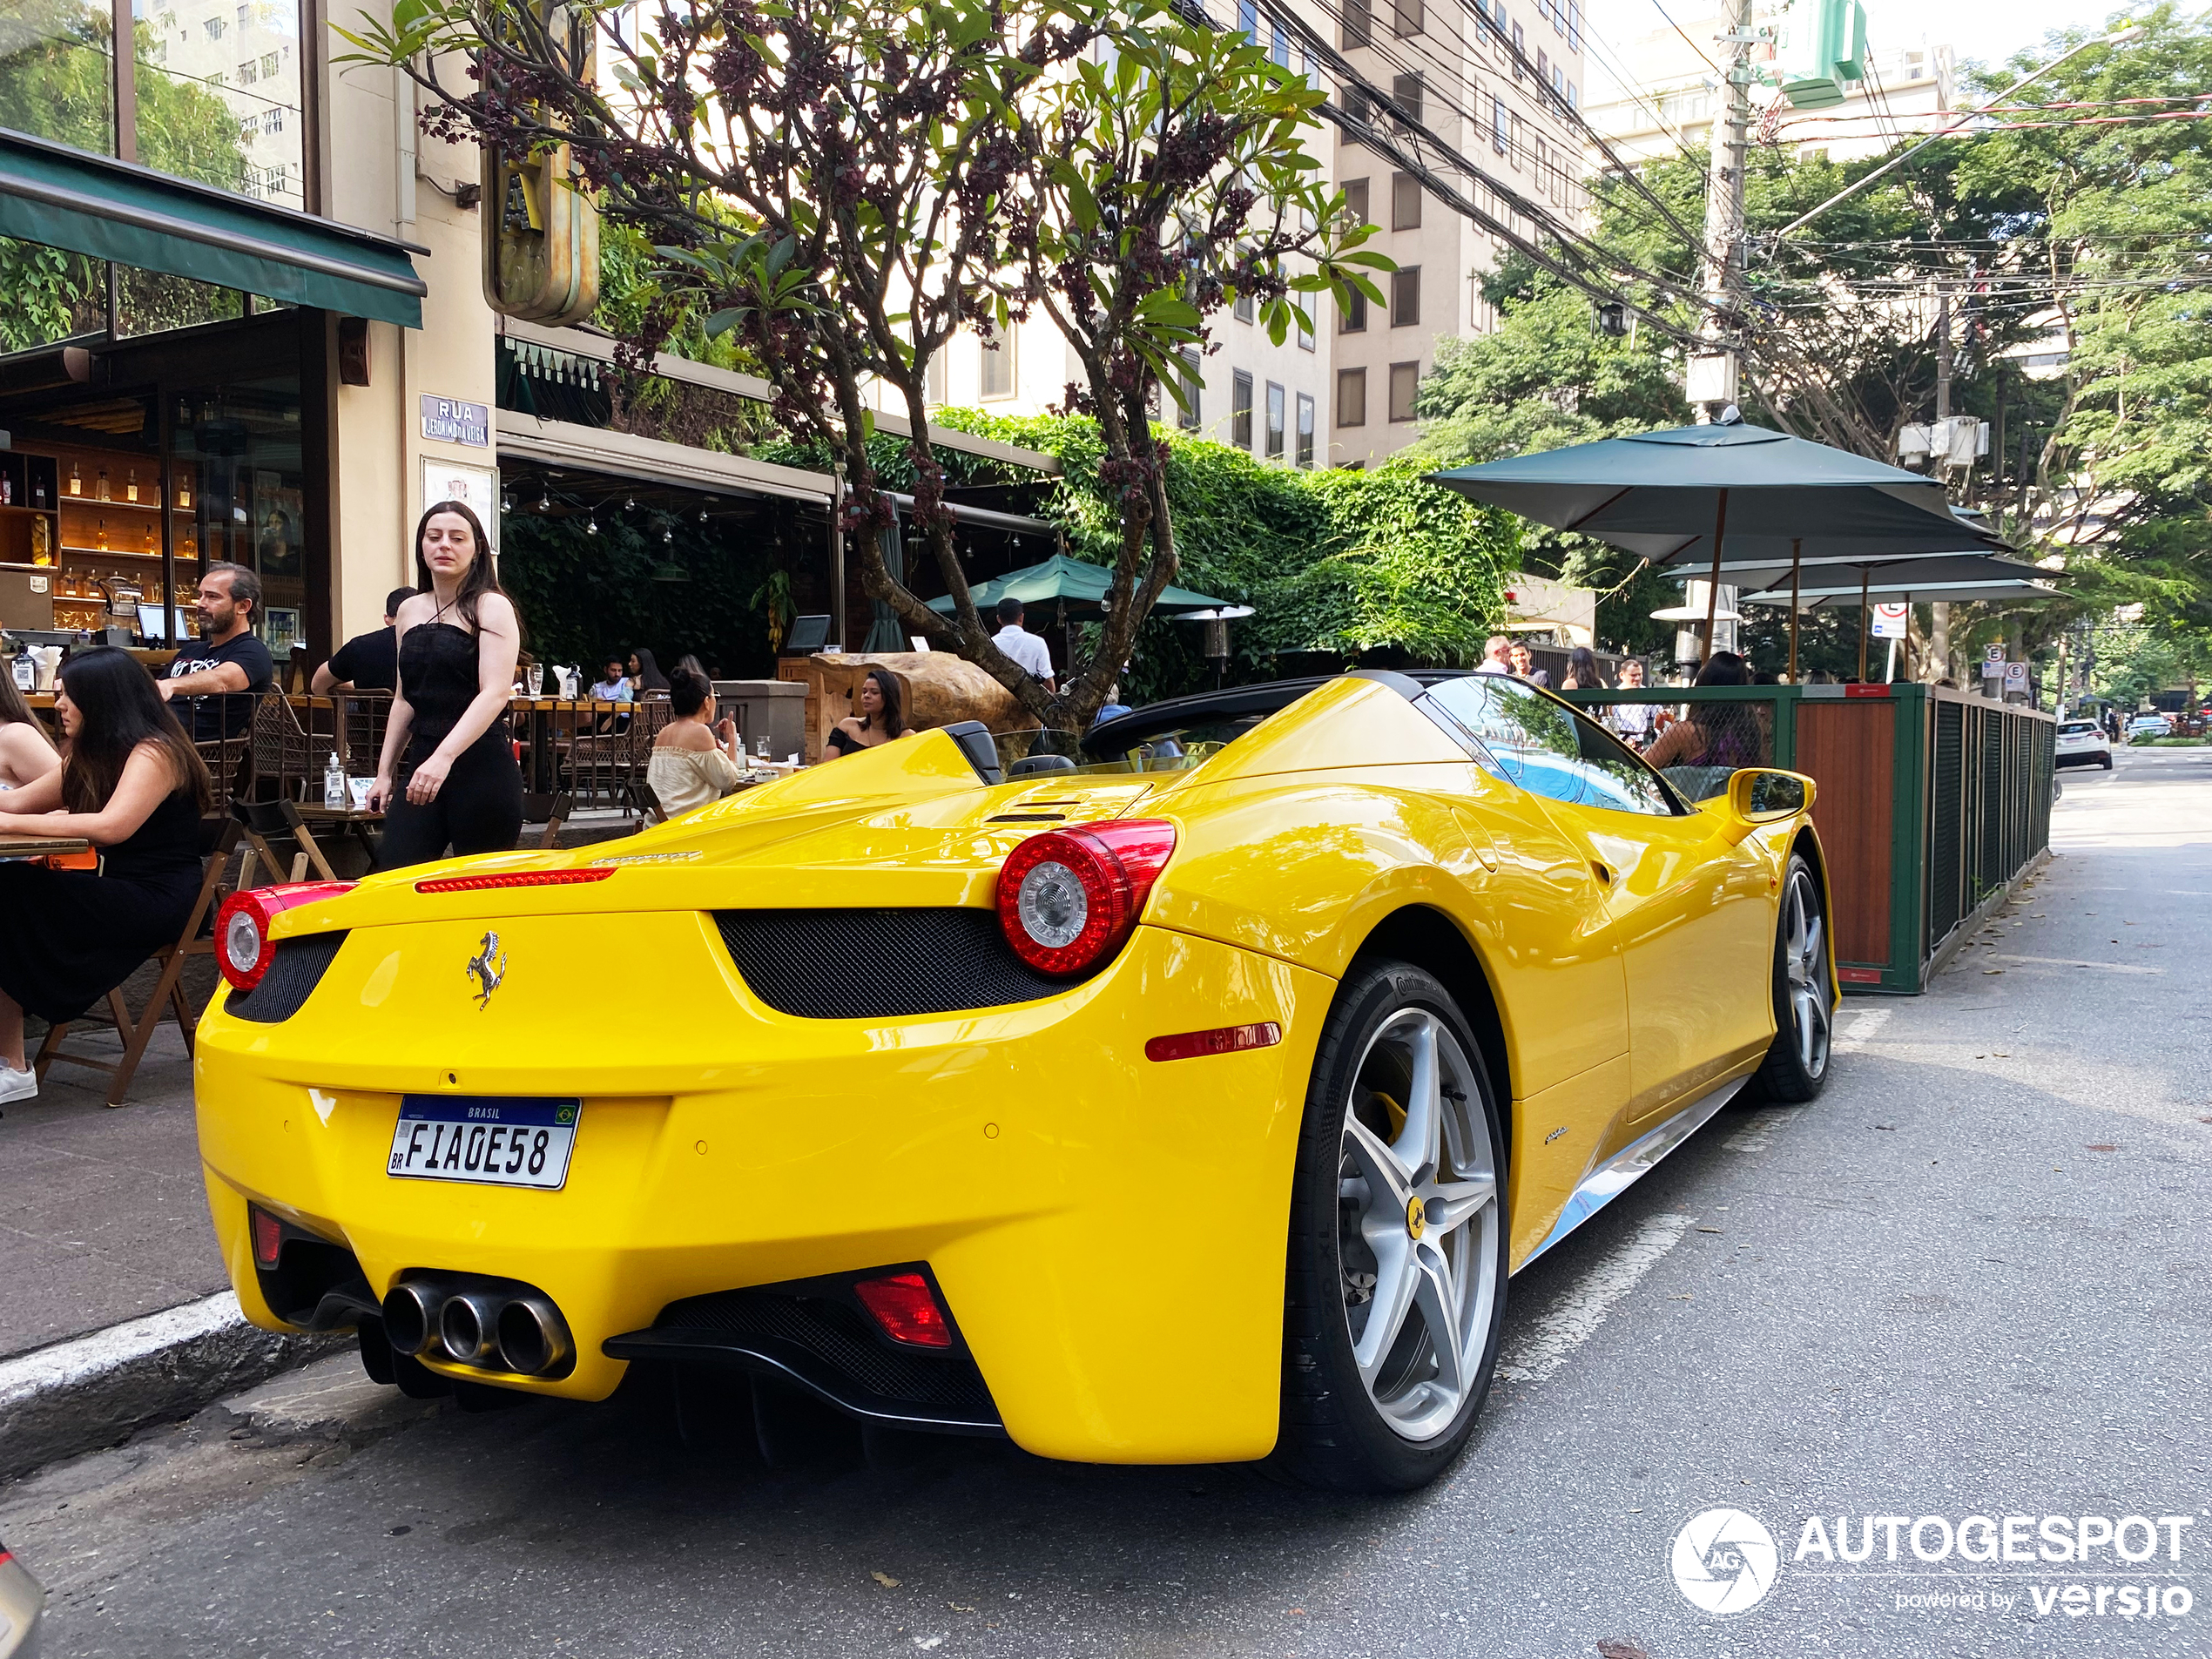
point(448, 777)
point(135, 787)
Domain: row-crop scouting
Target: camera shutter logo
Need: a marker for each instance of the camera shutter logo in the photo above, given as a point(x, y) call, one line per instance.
point(1723, 1561)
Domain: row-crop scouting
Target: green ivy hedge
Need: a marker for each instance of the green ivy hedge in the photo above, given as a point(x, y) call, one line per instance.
point(1339, 565)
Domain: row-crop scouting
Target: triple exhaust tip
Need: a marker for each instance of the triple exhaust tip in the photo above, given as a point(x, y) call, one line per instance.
point(520, 1332)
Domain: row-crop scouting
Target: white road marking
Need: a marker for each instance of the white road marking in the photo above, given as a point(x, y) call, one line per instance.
point(1758, 1132)
point(85, 1358)
point(1543, 1346)
point(1861, 1030)
point(2075, 962)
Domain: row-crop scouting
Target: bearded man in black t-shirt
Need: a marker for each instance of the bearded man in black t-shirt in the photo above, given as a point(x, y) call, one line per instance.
point(230, 666)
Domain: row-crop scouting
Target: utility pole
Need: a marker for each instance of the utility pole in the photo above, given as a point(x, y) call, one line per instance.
point(1712, 377)
point(1939, 613)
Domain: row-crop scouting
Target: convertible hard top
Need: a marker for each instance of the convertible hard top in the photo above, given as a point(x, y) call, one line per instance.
point(1126, 731)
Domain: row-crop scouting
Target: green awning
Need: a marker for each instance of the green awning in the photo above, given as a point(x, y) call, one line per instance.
point(116, 210)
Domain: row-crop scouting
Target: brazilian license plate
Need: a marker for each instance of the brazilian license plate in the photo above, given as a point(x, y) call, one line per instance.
point(498, 1141)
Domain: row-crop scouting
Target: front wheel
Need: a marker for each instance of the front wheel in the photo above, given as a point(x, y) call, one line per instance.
point(1796, 1064)
point(1397, 1264)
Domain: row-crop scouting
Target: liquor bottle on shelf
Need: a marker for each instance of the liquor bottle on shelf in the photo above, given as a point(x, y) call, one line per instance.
point(149, 547)
point(7, 490)
point(103, 535)
point(41, 546)
point(102, 486)
point(38, 493)
point(75, 480)
point(184, 492)
point(130, 486)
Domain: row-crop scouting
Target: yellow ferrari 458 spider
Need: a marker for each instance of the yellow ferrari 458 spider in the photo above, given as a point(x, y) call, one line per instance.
point(1189, 1094)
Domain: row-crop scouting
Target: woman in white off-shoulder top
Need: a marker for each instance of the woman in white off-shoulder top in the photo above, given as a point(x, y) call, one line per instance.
point(694, 761)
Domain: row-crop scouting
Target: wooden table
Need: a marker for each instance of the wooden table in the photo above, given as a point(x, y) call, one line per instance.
point(335, 820)
point(41, 847)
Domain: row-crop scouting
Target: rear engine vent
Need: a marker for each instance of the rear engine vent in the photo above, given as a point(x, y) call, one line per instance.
point(878, 964)
point(295, 971)
point(850, 1359)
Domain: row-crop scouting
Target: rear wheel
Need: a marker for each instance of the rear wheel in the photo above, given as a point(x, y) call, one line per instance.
point(1397, 1264)
point(1796, 1065)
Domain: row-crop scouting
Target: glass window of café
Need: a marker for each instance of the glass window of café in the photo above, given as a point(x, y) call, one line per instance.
point(100, 482)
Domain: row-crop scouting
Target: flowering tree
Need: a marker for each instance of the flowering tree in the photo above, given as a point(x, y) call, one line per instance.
point(845, 183)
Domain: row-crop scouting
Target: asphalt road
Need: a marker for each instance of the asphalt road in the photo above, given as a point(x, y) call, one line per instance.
point(1970, 1280)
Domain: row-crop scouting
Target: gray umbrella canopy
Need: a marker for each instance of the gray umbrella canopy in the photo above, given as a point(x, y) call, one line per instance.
point(1665, 497)
point(1885, 579)
point(1902, 587)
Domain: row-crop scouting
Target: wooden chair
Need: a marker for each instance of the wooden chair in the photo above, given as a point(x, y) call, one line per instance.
point(287, 761)
point(260, 820)
point(230, 769)
point(219, 838)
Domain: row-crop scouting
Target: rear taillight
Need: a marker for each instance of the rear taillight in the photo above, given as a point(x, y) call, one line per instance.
point(242, 943)
point(903, 1305)
point(1067, 899)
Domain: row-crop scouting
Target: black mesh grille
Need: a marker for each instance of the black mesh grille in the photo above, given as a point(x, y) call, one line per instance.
point(836, 1335)
point(294, 972)
point(878, 964)
point(1945, 826)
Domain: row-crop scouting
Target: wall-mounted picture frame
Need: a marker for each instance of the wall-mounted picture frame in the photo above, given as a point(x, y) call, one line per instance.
point(476, 487)
point(281, 632)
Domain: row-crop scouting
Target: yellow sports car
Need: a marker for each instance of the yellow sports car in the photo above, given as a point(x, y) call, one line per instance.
point(1186, 1095)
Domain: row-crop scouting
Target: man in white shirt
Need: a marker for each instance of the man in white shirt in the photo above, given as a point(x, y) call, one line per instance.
point(1493, 655)
point(1021, 645)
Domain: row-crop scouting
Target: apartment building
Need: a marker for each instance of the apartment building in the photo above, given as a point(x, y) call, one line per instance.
point(1908, 91)
point(1494, 82)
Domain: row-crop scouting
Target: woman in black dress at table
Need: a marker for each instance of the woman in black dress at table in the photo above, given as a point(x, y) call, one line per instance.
point(448, 777)
point(134, 787)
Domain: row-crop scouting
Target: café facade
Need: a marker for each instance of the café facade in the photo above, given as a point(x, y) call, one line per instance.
point(248, 320)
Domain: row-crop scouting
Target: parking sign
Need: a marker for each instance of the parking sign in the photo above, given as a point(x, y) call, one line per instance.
point(1890, 621)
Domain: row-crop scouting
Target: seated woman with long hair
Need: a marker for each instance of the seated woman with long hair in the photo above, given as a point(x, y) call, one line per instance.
point(134, 787)
point(1698, 751)
point(26, 753)
point(876, 717)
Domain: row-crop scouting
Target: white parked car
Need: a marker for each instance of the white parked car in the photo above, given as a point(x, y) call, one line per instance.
point(2153, 725)
point(2081, 742)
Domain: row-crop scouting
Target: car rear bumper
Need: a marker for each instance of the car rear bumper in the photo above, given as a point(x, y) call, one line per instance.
point(1107, 1231)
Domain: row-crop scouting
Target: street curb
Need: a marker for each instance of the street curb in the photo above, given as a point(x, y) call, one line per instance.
point(94, 1391)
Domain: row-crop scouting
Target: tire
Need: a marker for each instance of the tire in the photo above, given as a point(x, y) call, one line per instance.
point(1357, 1246)
point(1796, 1067)
point(2107, 762)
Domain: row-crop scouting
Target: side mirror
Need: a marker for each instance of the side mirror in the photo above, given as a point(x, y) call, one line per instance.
point(1761, 795)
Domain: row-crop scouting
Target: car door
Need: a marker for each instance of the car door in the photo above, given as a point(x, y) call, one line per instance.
point(1681, 904)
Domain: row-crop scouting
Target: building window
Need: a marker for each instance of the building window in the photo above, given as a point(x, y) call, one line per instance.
point(1559, 80)
point(1501, 133)
point(1406, 193)
point(1543, 66)
point(1357, 105)
point(268, 66)
point(1351, 397)
point(247, 74)
point(1248, 19)
point(1304, 429)
point(1573, 25)
point(1404, 384)
point(1186, 416)
point(1359, 23)
point(1520, 49)
point(1245, 308)
point(1279, 47)
point(1304, 338)
point(1240, 411)
point(1355, 204)
point(998, 366)
point(1274, 421)
point(214, 28)
point(1573, 103)
point(1406, 297)
point(1352, 320)
point(1406, 90)
point(936, 379)
point(1406, 17)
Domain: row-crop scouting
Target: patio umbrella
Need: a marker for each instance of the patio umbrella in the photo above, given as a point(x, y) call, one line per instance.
point(1729, 494)
point(1948, 578)
point(1080, 586)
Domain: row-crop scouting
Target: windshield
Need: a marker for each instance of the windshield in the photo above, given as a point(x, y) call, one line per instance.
point(2076, 729)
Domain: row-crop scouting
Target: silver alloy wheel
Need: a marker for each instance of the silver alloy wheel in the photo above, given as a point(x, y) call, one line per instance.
point(1417, 1221)
point(1805, 961)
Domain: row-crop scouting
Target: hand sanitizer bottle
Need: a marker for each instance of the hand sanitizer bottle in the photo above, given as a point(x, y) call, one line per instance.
point(333, 783)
